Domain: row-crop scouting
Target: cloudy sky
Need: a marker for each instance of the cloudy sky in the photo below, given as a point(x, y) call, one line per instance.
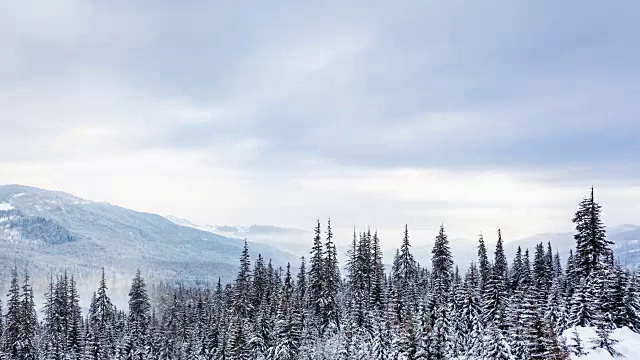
point(477, 115)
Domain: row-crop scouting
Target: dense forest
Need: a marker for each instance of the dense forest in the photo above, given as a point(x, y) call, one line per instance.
point(492, 310)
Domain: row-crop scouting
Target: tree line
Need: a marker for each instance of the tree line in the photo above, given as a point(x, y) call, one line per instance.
point(492, 310)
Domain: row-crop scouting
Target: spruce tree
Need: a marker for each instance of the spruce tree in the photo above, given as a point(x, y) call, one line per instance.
point(483, 262)
point(331, 284)
point(28, 322)
point(74, 334)
point(139, 309)
point(442, 266)
point(592, 247)
point(242, 287)
point(500, 260)
point(12, 332)
point(316, 279)
point(378, 277)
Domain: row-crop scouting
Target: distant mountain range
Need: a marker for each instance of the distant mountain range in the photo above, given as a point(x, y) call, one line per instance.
point(296, 241)
point(49, 230)
point(626, 246)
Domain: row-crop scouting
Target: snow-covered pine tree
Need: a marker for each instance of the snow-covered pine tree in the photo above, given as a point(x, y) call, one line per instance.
point(13, 320)
point(139, 309)
point(242, 287)
point(407, 343)
point(440, 334)
point(405, 276)
point(316, 280)
point(238, 342)
point(331, 285)
point(470, 318)
point(100, 327)
point(572, 277)
point(603, 333)
point(541, 270)
point(592, 246)
point(495, 293)
point(382, 337)
point(28, 322)
point(516, 270)
point(631, 303)
point(377, 297)
point(582, 312)
point(483, 262)
point(495, 345)
point(500, 261)
point(258, 283)
point(74, 334)
point(287, 332)
point(441, 268)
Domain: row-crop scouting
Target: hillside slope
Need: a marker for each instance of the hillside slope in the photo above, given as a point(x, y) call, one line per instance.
point(53, 230)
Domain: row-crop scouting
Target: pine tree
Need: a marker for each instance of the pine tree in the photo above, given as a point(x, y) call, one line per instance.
point(500, 261)
point(100, 328)
point(495, 293)
point(440, 335)
point(406, 274)
point(316, 279)
point(441, 265)
point(330, 309)
point(541, 271)
point(287, 342)
point(378, 278)
point(74, 335)
point(242, 287)
point(592, 247)
point(12, 335)
point(603, 339)
point(483, 263)
point(496, 346)
point(516, 270)
point(29, 322)
point(139, 308)
point(382, 338)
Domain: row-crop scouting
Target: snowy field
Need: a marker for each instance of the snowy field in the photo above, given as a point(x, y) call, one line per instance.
point(628, 344)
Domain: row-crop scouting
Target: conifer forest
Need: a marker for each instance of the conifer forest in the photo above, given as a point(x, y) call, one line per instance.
point(497, 308)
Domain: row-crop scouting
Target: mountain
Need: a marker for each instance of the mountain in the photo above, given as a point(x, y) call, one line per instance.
point(51, 230)
point(295, 241)
point(626, 247)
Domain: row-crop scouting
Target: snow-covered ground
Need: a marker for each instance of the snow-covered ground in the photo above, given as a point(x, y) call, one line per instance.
point(628, 344)
point(5, 207)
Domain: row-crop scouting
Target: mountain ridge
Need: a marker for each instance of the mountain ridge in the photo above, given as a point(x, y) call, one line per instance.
point(53, 229)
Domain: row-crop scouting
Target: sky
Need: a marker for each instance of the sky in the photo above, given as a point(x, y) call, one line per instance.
point(475, 115)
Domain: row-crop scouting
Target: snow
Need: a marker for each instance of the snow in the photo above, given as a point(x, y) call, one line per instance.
point(17, 195)
point(628, 344)
point(6, 207)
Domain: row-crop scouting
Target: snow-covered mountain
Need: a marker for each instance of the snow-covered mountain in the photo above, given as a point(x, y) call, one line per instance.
point(626, 246)
point(51, 230)
point(296, 241)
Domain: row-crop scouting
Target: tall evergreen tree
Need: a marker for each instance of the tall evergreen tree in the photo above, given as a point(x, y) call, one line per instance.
point(441, 267)
point(483, 262)
point(139, 322)
point(316, 278)
point(500, 260)
point(29, 322)
point(12, 332)
point(592, 247)
point(331, 284)
point(378, 278)
point(242, 286)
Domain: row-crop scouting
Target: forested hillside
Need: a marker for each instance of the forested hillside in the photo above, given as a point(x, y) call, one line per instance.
point(491, 310)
